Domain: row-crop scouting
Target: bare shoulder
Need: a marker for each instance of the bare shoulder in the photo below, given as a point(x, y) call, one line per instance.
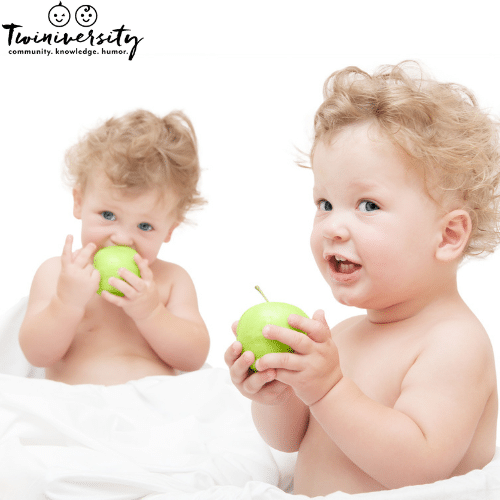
point(47, 274)
point(455, 349)
point(178, 289)
point(44, 284)
point(461, 331)
point(50, 265)
point(346, 325)
point(169, 272)
point(461, 337)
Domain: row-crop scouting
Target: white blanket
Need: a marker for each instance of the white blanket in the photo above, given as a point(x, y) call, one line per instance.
point(185, 437)
point(155, 435)
point(159, 438)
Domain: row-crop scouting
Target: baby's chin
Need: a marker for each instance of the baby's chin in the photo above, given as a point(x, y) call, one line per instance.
point(345, 297)
point(358, 297)
point(349, 302)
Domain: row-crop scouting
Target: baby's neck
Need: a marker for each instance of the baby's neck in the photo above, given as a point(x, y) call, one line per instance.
point(437, 299)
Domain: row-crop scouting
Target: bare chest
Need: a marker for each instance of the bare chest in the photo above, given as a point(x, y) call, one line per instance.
point(105, 330)
point(378, 366)
point(107, 346)
point(107, 349)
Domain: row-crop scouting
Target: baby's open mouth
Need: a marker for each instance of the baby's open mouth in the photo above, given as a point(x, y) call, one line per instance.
point(342, 265)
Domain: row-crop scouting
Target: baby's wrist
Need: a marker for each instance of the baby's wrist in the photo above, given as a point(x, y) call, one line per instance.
point(158, 309)
point(67, 308)
point(328, 393)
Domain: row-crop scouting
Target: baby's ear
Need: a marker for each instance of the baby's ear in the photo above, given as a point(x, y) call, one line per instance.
point(77, 202)
point(171, 230)
point(455, 231)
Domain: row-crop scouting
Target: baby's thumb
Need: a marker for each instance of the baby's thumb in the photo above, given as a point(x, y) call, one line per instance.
point(234, 326)
point(319, 315)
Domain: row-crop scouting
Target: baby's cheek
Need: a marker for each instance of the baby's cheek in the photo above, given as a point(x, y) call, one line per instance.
point(389, 264)
point(316, 243)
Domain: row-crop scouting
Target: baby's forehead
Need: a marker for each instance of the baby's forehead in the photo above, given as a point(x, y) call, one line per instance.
point(364, 159)
point(154, 199)
point(357, 145)
point(100, 182)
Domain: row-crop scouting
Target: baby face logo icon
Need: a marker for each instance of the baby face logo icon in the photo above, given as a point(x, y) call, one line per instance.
point(59, 15)
point(86, 15)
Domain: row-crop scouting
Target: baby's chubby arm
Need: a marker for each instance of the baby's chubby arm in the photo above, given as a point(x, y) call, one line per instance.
point(59, 293)
point(175, 330)
point(279, 415)
point(425, 435)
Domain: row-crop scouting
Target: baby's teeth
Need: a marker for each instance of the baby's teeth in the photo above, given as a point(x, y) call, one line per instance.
point(339, 259)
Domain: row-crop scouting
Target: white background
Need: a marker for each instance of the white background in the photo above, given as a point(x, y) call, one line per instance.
point(250, 76)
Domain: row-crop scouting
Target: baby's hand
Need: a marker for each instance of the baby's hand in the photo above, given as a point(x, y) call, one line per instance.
point(79, 280)
point(262, 386)
point(141, 295)
point(313, 369)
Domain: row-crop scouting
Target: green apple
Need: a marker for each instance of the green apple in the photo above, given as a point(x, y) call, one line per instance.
point(251, 323)
point(108, 260)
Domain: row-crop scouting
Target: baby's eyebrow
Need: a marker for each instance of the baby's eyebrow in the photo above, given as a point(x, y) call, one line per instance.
point(370, 188)
point(365, 184)
point(316, 195)
point(316, 190)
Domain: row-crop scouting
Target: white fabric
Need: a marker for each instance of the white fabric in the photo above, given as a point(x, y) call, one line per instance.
point(154, 435)
point(158, 438)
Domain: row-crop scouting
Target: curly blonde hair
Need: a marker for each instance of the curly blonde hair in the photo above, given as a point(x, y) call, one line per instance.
point(140, 151)
point(446, 136)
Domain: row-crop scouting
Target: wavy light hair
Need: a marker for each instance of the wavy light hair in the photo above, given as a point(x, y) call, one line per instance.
point(449, 140)
point(140, 151)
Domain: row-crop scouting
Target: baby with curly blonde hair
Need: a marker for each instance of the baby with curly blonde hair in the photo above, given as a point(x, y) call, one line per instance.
point(406, 175)
point(134, 179)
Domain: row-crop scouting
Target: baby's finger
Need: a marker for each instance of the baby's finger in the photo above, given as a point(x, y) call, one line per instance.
point(95, 275)
point(110, 297)
point(296, 340)
point(144, 269)
point(132, 278)
point(122, 286)
point(239, 369)
point(283, 360)
point(232, 353)
point(234, 326)
point(67, 250)
point(317, 328)
point(82, 257)
point(255, 382)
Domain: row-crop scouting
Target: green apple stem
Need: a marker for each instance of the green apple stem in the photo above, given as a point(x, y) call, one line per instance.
point(261, 292)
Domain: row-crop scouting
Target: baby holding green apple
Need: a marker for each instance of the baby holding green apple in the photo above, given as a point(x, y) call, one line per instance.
point(134, 179)
point(406, 175)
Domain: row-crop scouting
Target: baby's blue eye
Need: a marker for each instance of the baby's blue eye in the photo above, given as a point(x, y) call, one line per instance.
point(144, 226)
point(368, 206)
point(325, 206)
point(108, 215)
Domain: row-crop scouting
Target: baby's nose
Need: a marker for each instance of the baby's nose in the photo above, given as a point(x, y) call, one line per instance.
point(122, 238)
point(335, 228)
